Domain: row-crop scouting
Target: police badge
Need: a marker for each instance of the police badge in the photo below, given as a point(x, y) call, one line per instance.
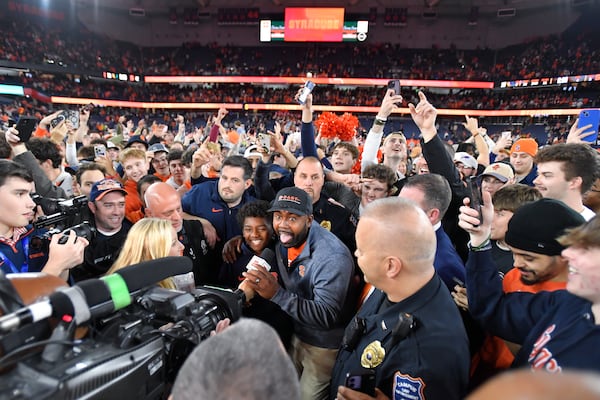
point(326, 224)
point(372, 355)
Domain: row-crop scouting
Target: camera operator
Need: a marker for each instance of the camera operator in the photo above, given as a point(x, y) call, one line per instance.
point(107, 205)
point(43, 185)
point(20, 248)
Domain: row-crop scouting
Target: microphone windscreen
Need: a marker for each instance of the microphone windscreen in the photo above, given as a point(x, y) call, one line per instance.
point(147, 273)
point(269, 256)
point(61, 305)
point(95, 291)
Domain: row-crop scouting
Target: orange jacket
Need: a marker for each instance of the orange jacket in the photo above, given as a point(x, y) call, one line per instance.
point(133, 203)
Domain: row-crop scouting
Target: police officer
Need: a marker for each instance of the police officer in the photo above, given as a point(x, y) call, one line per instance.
point(408, 336)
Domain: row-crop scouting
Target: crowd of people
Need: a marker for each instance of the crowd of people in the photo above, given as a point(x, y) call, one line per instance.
point(27, 41)
point(547, 98)
point(378, 257)
point(379, 262)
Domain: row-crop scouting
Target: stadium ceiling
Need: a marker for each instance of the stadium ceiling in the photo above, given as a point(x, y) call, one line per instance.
point(159, 6)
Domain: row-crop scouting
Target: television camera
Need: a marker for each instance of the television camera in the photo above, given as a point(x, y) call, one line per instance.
point(63, 215)
point(133, 349)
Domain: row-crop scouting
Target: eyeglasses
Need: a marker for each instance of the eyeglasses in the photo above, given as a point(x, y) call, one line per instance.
point(462, 166)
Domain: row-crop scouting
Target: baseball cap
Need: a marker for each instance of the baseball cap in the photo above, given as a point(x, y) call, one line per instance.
point(252, 151)
point(111, 145)
point(535, 226)
point(136, 139)
point(104, 186)
point(294, 200)
point(525, 145)
point(465, 158)
point(158, 147)
point(501, 171)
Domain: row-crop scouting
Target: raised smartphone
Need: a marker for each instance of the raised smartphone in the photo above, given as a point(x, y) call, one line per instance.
point(26, 126)
point(590, 117)
point(475, 196)
point(306, 90)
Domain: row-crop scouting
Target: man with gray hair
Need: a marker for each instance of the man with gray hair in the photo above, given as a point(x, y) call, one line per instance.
point(244, 361)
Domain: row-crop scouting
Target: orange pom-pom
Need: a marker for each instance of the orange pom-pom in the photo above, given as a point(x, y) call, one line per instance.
point(331, 126)
point(347, 127)
point(326, 124)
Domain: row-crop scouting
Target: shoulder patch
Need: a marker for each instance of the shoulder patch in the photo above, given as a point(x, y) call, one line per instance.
point(408, 388)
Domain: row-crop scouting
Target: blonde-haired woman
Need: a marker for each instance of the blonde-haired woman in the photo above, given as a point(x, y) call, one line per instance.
point(149, 239)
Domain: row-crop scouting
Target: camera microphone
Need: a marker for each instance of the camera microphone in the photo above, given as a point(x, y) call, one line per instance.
point(98, 297)
point(269, 256)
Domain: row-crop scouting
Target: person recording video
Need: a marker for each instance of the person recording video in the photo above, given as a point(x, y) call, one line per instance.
point(21, 154)
point(21, 248)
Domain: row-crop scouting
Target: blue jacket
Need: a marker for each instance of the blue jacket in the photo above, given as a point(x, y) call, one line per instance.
point(530, 177)
point(556, 330)
point(447, 262)
point(203, 200)
point(431, 361)
point(29, 254)
point(317, 289)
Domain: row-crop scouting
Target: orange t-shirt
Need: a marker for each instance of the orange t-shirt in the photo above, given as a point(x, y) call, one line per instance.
point(294, 252)
point(163, 178)
point(494, 351)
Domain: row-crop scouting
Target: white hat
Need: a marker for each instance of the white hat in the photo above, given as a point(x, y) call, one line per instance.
point(465, 158)
point(251, 151)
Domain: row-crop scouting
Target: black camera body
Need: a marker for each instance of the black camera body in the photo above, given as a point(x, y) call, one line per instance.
point(133, 353)
point(64, 206)
point(65, 215)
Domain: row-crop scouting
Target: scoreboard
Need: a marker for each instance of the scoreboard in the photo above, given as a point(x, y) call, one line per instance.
point(313, 25)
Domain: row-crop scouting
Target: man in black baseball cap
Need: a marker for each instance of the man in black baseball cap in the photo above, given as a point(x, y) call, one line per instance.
point(315, 271)
point(539, 266)
point(532, 237)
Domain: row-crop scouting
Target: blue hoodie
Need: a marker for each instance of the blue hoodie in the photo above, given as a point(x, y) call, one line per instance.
point(557, 330)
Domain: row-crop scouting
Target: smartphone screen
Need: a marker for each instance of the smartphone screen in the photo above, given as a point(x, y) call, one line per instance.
point(308, 87)
point(475, 195)
point(26, 126)
point(363, 382)
point(590, 117)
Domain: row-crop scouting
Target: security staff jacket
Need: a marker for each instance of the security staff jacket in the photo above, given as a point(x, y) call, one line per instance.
point(428, 361)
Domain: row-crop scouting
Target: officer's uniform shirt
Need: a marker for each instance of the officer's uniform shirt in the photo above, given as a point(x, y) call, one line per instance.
point(337, 219)
point(430, 360)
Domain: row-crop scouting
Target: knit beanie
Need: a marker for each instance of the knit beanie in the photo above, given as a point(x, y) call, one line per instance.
point(535, 226)
point(525, 145)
